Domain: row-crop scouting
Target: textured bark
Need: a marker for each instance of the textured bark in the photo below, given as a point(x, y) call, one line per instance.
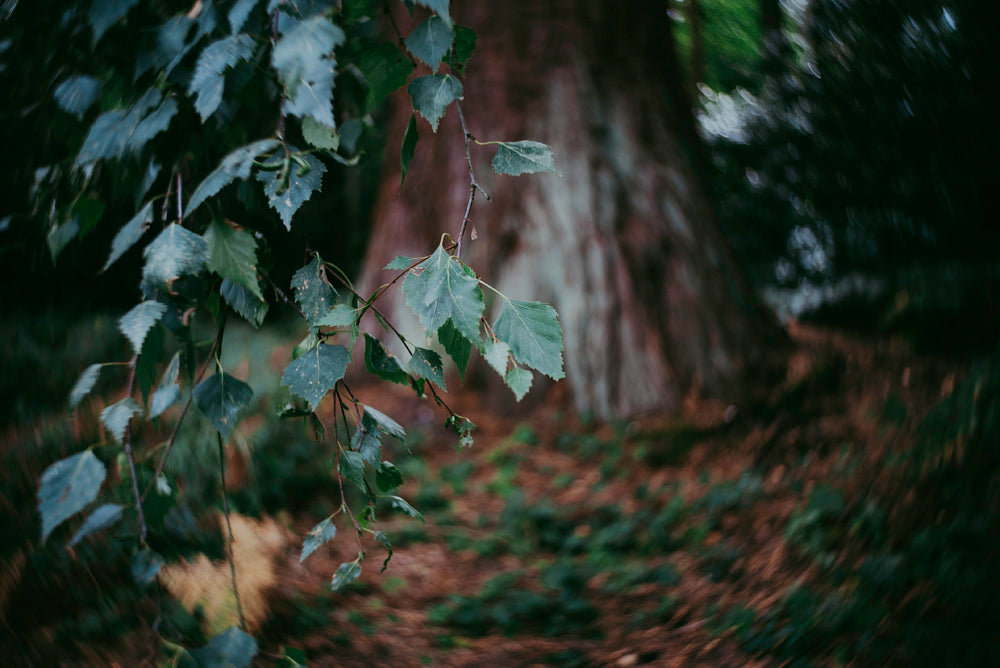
point(623, 242)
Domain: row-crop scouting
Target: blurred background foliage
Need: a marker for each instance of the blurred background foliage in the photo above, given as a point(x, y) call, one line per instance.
point(853, 157)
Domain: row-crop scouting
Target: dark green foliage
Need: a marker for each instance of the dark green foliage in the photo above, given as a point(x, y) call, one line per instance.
point(561, 608)
point(863, 165)
point(203, 135)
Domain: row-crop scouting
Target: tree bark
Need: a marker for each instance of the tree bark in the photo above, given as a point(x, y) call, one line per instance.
point(622, 242)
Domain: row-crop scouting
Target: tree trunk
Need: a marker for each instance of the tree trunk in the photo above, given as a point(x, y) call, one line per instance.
point(623, 242)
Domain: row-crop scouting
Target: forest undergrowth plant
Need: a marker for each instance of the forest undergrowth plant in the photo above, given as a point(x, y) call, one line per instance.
point(233, 102)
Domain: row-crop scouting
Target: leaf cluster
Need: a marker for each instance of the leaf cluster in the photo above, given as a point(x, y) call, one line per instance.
point(225, 122)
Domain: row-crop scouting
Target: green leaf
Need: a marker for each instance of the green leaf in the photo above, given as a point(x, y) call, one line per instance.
point(352, 467)
point(346, 574)
point(88, 212)
point(244, 302)
point(315, 373)
point(136, 323)
point(149, 358)
point(109, 133)
point(463, 427)
point(148, 179)
point(232, 254)
point(439, 6)
point(384, 423)
point(288, 191)
point(312, 292)
point(234, 166)
point(163, 398)
point(175, 252)
point(208, 80)
point(367, 442)
point(519, 381)
point(534, 335)
point(168, 391)
point(169, 47)
point(84, 384)
point(398, 503)
point(430, 41)
point(76, 95)
point(105, 13)
point(427, 364)
point(340, 316)
point(400, 262)
point(456, 345)
point(239, 13)
point(319, 135)
point(497, 354)
point(432, 94)
point(382, 364)
point(523, 157)
point(465, 44)
point(303, 59)
point(388, 477)
point(145, 566)
point(385, 69)
point(152, 125)
point(60, 235)
point(409, 148)
point(442, 290)
point(319, 534)
point(232, 648)
point(117, 416)
point(221, 398)
point(104, 517)
point(129, 234)
point(67, 487)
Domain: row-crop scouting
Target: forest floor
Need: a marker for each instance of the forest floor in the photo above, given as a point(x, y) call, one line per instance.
point(718, 537)
point(666, 541)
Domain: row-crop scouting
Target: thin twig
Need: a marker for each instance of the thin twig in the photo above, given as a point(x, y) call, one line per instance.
point(281, 293)
point(473, 183)
point(165, 208)
point(340, 476)
point(180, 209)
point(229, 527)
point(187, 404)
point(399, 34)
point(127, 441)
point(402, 339)
point(382, 290)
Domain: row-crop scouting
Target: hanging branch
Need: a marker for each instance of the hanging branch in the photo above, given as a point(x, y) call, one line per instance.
point(127, 441)
point(229, 527)
point(473, 183)
point(180, 207)
point(187, 404)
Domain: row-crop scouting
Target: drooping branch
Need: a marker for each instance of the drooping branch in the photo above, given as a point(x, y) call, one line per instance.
point(127, 441)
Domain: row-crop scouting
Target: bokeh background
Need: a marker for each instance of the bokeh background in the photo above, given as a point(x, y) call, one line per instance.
point(773, 244)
